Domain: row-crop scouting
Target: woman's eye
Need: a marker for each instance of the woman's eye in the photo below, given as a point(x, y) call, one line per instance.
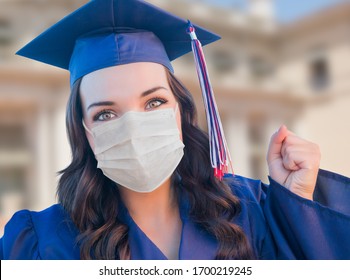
point(155, 103)
point(105, 116)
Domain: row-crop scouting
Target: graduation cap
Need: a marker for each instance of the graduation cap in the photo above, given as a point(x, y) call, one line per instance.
point(105, 33)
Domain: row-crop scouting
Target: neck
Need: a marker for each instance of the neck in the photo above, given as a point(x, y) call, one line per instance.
point(157, 205)
point(157, 215)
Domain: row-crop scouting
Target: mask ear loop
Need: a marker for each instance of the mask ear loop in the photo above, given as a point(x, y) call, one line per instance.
point(86, 128)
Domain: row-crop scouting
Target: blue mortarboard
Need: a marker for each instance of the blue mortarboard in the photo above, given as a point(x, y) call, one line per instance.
point(105, 33)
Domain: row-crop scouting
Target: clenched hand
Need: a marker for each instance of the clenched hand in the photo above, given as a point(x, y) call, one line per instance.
point(293, 162)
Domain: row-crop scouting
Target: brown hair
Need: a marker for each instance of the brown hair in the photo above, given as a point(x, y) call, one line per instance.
point(92, 200)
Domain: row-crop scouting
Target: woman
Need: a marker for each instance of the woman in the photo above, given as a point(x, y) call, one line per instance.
point(140, 184)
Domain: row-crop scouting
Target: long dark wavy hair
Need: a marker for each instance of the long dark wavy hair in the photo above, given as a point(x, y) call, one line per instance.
point(92, 200)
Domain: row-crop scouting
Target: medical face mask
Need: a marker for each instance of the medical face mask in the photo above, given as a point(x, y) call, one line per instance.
point(139, 150)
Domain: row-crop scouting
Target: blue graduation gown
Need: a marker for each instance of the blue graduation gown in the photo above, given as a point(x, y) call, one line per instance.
point(278, 224)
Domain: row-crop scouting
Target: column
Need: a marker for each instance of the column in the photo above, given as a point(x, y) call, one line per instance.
point(237, 137)
point(43, 160)
point(61, 148)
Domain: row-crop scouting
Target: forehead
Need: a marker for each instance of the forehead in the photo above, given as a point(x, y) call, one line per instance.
point(129, 79)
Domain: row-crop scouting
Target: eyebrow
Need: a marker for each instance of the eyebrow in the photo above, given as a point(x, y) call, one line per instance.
point(111, 103)
point(148, 92)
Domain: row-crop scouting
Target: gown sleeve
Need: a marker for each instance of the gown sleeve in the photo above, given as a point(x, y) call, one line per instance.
point(305, 229)
point(1, 250)
point(19, 240)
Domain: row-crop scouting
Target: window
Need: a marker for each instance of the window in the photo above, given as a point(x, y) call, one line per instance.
point(224, 61)
point(14, 163)
point(319, 74)
point(260, 68)
point(12, 136)
point(6, 35)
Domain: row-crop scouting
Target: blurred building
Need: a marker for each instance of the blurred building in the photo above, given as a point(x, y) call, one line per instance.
point(263, 73)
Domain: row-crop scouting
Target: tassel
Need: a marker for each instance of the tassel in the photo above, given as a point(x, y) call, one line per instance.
point(219, 154)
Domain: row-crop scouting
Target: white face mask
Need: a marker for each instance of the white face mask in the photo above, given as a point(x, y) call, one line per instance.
point(139, 150)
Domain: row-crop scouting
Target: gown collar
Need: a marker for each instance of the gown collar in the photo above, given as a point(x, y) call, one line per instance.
point(195, 242)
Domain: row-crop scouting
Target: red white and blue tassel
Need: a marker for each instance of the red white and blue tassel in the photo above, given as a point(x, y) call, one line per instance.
point(219, 153)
